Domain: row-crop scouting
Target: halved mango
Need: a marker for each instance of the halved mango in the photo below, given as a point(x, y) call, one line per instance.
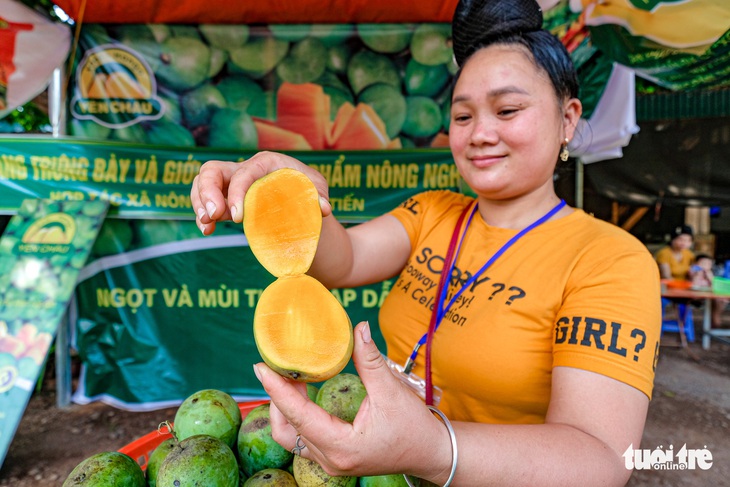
point(282, 221)
point(301, 330)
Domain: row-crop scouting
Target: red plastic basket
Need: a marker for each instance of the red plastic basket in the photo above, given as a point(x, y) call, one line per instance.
point(141, 448)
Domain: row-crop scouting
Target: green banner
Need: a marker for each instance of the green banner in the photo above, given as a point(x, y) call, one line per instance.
point(172, 315)
point(154, 182)
point(671, 68)
point(41, 252)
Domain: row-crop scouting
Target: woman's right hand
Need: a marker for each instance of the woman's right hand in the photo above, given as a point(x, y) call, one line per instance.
point(220, 186)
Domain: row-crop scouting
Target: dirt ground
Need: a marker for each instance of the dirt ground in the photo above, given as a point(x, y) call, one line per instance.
point(691, 406)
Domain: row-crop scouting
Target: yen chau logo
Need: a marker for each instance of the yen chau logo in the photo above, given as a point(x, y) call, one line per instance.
point(659, 459)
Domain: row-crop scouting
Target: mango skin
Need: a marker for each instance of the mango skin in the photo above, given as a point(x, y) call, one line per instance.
point(257, 450)
point(309, 473)
point(208, 412)
point(342, 396)
point(105, 469)
point(158, 456)
point(199, 461)
point(392, 480)
point(271, 477)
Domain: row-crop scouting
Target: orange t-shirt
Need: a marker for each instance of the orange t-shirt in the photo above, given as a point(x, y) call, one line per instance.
point(678, 268)
point(575, 292)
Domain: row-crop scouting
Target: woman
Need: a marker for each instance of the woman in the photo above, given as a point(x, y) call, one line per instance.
point(676, 258)
point(546, 355)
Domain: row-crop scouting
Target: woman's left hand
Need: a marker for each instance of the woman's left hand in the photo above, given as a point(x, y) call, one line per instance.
point(388, 434)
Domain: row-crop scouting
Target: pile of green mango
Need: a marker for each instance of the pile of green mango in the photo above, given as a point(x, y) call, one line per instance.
point(214, 80)
point(213, 445)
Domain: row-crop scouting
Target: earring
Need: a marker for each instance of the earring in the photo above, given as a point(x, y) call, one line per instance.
point(564, 153)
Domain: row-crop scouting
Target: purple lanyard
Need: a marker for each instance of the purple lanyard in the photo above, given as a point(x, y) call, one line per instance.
point(440, 310)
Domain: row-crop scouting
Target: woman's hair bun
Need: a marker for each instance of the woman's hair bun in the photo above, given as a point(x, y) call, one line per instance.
point(478, 22)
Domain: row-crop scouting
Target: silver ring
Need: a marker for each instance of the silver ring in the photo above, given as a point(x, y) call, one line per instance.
point(298, 446)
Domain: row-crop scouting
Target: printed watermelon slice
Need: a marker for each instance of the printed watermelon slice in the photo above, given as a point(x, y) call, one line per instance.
point(440, 140)
point(362, 130)
point(304, 108)
point(272, 137)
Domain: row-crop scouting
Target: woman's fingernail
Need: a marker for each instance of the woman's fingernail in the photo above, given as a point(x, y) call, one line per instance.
point(366, 337)
point(201, 213)
point(256, 372)
point(210, 207)
point(324, 204)
point(201, 227)
point(234, 212)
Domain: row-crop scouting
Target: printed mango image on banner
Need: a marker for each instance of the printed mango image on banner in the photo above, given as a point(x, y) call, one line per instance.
point(115, 88)
point(277, 87)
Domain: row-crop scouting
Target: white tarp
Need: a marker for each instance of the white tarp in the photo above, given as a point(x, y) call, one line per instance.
point(31, 47)
point(612, 123)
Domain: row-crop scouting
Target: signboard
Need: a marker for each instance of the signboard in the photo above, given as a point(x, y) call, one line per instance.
point(41, 252)
point(156, 323)
point(154, 182)
point(284, 87)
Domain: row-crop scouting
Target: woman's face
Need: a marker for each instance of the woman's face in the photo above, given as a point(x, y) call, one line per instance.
point(682, 241)
point(507, 125)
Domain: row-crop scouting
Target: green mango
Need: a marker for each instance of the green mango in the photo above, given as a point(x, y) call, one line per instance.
point(430, 44)
point(342, 396)
point(385, 38)
point(306, 61)
point(171, 107)
point(158, 456)
point(332, 34)
point(89, 129)
point(312, 391)
point(290, 32)
point(163, 132)
point(424, 80)
point(218, 59)
point(133, 134)
point(393, 480)
point(185, 63)
point(225, 36)
point(199, 460)
point(337, 58)
point(233, 129)
point(105, 469)
point(240, 91)
point(389, 103)
point(367, 68)
point(259, 56)
point(209, 412)
point(199, 105)
point(257, 450)
point(309, 473)
point(271, 477)
point(423, 117)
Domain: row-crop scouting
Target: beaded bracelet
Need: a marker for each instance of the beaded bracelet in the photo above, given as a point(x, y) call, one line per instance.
point(454, 450)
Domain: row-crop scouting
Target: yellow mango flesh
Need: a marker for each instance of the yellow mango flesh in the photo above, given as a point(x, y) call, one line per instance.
point(282, 221)
point(301, 330)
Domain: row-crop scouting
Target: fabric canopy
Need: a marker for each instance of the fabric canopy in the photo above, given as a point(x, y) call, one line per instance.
point(248, 12)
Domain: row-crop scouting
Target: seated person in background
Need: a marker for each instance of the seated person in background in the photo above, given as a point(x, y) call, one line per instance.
point(676, 258)
point(700, 273)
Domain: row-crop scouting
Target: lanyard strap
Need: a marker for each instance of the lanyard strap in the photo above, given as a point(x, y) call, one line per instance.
point(444, 277)
point(439, 311)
